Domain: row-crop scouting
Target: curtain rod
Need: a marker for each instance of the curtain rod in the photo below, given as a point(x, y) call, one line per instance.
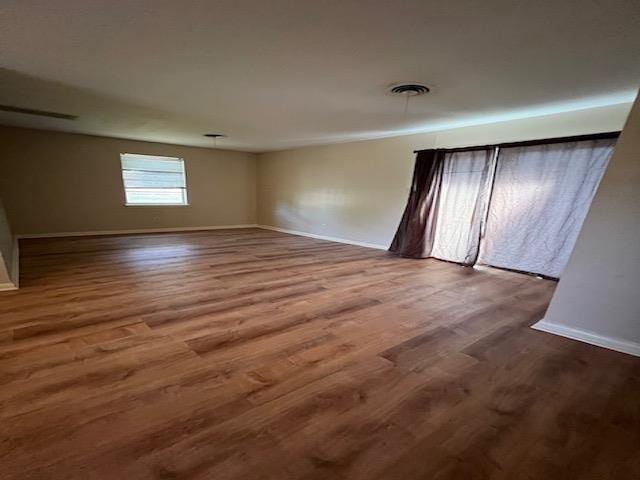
point(527, 143)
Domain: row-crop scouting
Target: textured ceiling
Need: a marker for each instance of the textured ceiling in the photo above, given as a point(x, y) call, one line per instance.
point(273, 74)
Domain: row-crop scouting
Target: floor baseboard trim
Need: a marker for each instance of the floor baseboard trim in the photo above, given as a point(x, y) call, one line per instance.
point(133, 231)
point(586, 336)
point(4, 287)
point(324, 237)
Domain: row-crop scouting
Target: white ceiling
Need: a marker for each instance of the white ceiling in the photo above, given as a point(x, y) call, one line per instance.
point(274, 74)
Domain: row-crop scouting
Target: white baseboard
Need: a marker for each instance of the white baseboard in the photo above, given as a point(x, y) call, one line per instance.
point(7, 286)
point(325, 237)
point(586, 336)
point(134, 231)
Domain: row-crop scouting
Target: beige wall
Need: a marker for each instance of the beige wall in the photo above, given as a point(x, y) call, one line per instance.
point(599, 293)
point(58, 182)
point(357, 191)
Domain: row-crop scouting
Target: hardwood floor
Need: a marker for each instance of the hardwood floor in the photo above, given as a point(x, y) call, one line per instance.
point(251, 354)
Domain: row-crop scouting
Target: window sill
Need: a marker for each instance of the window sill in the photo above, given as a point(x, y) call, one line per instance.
point(156, 204)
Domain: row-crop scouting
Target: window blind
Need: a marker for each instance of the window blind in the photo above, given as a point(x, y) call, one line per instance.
point(153, 180)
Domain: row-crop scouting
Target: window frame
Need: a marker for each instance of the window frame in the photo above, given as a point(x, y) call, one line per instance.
point(163, 205)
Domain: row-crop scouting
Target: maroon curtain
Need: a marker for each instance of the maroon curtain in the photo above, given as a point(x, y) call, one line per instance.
point(416, 231)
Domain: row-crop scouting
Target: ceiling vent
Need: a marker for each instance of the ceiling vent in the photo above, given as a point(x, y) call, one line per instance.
point(409, 89)
point(39, 113)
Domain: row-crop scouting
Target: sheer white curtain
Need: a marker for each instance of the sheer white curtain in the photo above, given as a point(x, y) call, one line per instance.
point(541, 195)
point(461, 205)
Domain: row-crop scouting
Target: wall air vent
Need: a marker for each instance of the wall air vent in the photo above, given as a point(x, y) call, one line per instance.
point(39, 113)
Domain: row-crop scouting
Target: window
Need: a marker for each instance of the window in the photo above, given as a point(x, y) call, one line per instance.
point(153, 180)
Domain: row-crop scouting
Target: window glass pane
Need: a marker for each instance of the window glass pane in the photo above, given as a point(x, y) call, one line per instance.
point(155, 196)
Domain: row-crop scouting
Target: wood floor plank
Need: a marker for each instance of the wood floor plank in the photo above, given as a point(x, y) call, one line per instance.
point(252, 354)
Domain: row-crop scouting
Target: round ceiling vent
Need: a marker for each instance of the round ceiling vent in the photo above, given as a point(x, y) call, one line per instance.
point(409, 89)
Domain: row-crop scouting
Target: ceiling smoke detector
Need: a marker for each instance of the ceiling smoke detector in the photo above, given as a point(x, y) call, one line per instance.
point(409, 89)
